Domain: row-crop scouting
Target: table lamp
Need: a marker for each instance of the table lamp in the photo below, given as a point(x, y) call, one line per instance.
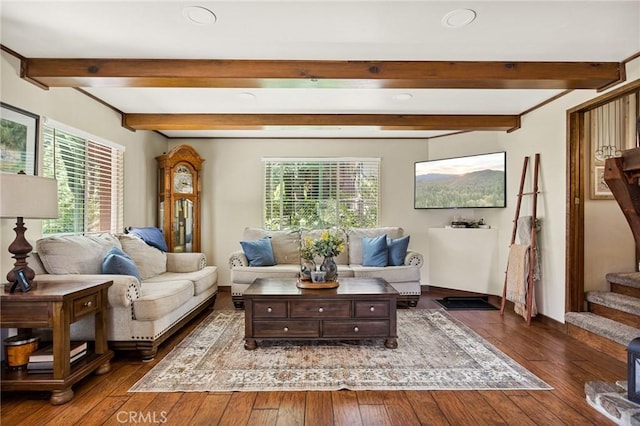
point(24, 196)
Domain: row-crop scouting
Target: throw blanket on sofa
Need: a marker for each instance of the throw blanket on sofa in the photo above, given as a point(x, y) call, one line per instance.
point(517, 273)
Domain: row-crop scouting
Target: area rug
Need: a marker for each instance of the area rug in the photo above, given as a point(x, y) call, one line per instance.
point(435, 352)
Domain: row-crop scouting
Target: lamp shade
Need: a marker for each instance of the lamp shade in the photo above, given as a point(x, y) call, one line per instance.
point(27, 196)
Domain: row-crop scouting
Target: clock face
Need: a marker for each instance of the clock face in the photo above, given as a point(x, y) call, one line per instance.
point(183, 180)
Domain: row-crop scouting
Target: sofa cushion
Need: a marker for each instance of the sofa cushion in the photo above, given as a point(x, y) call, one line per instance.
point(117, 262)
point(285, 244)
point(75, 254)
point(375, 251)
point(258, 252)
point(392, 274)
point(160, 299)
point(149, 260)
point(397, 250)
point(202, 280)
point(247, 274)
point(355, 239)
point(150, 235)
point(316, 234)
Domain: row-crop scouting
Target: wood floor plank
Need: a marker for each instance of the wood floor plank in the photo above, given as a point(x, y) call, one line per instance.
point(136, 404)
point(318, 410)
point(453, 408)
point(375, 415)
point(506, 408)
point(292, 409)
point(426, 408)
point(211, 409)
point(483, 413)
point(399, 409)
point(370, 397)
point(238, 409)
point(346, 411)
point(159, 408)
point(103, 411)
point(266, 400)
point(263, 417)
point(186, 408)
point(534, 411)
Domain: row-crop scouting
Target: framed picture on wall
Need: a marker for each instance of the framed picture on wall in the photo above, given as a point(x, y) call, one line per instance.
point(18, 140)
point(599, 188)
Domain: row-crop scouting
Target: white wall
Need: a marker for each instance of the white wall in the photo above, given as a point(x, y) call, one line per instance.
point(233, 177)
point(74, 109)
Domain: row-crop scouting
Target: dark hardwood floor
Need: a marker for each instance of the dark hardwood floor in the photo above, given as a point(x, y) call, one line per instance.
point(544, 349)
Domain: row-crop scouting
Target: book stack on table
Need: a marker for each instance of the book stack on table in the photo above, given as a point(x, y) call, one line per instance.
point(41, 361)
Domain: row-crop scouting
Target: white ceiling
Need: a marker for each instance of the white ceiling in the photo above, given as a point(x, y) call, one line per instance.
point(588, 31)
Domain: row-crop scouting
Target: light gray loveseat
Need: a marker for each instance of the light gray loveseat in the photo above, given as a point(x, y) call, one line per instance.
point(174, 287)
point(286, 251)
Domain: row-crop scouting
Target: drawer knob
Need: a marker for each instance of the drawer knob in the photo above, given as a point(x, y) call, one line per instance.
point(372, 309)
point(320, 310)
point(356, 329)
point(269, 309)
point(87, 304)
point(286, 329)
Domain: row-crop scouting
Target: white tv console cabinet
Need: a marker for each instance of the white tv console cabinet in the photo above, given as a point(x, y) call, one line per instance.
point(465, 259)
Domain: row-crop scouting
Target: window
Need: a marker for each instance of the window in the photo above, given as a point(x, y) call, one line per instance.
point(320, 193)
point(90, 175)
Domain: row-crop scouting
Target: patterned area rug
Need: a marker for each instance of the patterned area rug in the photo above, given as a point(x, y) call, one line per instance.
point(435, 351)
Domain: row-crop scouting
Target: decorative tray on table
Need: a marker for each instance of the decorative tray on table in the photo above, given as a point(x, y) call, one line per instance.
point(311, 284)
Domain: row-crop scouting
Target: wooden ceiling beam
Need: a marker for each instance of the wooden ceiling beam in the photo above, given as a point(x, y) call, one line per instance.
point(259, 121)
point(319, 74)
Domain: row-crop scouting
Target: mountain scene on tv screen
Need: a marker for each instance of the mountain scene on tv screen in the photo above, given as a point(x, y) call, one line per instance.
point(483, 188)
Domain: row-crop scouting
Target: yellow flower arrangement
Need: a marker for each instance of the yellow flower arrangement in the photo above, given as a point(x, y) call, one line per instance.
point(329, 244)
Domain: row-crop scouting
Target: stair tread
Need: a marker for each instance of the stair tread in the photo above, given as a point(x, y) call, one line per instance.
point(630, 279)
point(620, 302)
point(605, 327)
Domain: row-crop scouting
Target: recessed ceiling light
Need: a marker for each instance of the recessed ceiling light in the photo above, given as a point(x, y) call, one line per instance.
point(199, 15)
point(458, 18)
point(247, 96)
point(402, 96)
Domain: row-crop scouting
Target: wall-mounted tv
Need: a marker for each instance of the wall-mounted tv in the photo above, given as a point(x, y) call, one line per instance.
point(474, 181)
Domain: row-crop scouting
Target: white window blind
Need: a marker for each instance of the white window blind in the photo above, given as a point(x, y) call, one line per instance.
point(90, 174)
point(319, 193)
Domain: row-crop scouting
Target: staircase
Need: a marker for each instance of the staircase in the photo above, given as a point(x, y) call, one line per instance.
point(613, 317)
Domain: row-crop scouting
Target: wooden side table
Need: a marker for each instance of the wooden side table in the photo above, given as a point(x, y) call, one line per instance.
point(57, 305)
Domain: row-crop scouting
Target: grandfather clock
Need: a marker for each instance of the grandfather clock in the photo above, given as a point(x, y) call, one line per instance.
point(179, 198)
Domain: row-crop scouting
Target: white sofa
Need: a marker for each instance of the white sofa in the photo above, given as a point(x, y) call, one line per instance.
point(286, 251)
point(142, 313)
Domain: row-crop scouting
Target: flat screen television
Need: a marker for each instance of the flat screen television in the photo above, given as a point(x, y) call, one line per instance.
point(474, 181)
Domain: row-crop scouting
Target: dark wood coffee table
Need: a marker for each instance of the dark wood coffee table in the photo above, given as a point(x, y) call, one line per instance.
point(359, 308)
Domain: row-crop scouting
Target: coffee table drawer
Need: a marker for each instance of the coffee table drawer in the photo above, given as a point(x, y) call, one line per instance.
point(286, 329)
point(321, 309)
point(360, 329)
point(371, 309)
point(270, 309)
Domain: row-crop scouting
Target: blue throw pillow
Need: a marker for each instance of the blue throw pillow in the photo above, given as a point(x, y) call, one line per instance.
point(397, 250)
point(150, 235)
point(117, 262)
point(374, 251)
point(259, 252)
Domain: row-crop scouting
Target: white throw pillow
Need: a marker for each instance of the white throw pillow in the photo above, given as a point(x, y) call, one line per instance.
point(75, 254)
point(149, 260)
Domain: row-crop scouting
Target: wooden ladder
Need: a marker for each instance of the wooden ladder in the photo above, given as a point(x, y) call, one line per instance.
point(532, 248)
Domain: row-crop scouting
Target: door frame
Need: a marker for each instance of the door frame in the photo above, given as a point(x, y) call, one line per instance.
point(577, 180)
